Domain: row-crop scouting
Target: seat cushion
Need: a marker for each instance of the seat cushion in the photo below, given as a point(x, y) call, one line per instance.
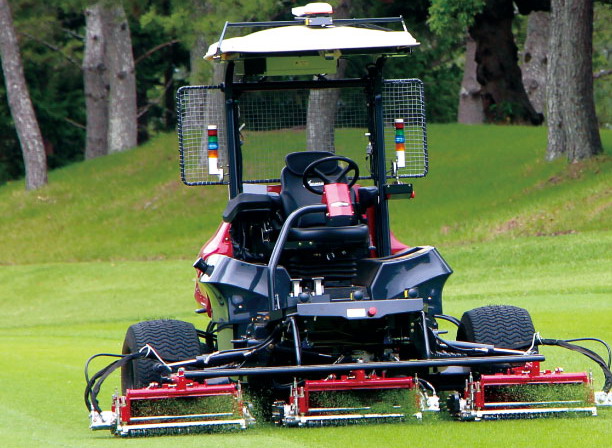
point(348, 235)
point(250, 202)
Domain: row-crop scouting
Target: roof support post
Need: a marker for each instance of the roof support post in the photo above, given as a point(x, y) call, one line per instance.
point(377, 127)
point(233, 137)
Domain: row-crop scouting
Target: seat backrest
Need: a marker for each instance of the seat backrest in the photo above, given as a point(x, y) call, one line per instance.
point(293, 193)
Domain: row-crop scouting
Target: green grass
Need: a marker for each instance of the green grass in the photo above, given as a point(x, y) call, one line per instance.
point(110, 242)
point(127, 206)
point(487, 182)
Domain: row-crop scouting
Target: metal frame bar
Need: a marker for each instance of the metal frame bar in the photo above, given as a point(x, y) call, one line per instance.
point(233, 136)
point(383, 243)
point(300, 85)
point(336, 368)
point(280, 244)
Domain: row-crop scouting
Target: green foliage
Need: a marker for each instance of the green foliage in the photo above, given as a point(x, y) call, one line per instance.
point(602, 60)
point(52, 44)
point(52, 38)
point(436, 61)
point(453, 17)
point(158, 74)
point(504, 111)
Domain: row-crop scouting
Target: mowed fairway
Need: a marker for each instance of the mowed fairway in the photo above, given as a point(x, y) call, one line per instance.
point(111, 242)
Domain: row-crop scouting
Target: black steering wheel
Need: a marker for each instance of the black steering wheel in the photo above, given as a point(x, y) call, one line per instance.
point(312, 171)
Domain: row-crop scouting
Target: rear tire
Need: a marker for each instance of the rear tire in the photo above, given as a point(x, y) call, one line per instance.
point(502, 326)
point(173, 340)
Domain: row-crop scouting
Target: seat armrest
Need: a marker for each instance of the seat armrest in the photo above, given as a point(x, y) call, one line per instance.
point(250, 203)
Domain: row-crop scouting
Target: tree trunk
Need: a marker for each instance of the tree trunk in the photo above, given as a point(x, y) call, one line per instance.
point(169, 94)
point(470, 101)
point(574, 93)
point(123, 112)
point(95, 79)
point(498, 72)
point(323, 103)
point(321, 116)
point(580, 122)
point(554, 83)
point(22, 111)
point(197, 64)
point(535, 58)
point(199, 69)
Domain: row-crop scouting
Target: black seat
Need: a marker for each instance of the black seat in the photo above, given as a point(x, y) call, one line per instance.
point(293, 194)
point(314, 227)
point(255, 223)
point(250, 203)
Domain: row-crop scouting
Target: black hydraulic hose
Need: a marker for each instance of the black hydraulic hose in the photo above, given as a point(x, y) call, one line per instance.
point(95, 383)
point(476, 348)
point(604, 343)
point(296, 341)
point(586, 352)
point(448, 318)
point(91, 358)
point(306, 354)
point(231, 355)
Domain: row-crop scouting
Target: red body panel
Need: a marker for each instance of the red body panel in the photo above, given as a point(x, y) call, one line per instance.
point(337, 197)
point(219, 243)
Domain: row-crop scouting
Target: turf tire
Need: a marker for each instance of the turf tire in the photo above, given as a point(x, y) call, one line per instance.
point(503, 326)
point(174, 340)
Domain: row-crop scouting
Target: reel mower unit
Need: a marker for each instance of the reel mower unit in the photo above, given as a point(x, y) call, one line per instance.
point(316, 313)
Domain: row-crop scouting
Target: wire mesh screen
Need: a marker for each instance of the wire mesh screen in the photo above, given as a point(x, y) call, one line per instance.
point(404, 99)
point(278, 123)
point(275, 123)
point(199, 107)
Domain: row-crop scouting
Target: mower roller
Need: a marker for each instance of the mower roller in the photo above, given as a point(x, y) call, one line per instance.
point(316, 313)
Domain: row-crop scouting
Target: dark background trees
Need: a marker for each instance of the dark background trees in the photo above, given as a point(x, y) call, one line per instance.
point(20, 103)
point(168, 38)
point(493, 53)
point(52, 41)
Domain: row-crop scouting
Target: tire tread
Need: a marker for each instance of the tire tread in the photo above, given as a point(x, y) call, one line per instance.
point(504, 326)
point(173, 340)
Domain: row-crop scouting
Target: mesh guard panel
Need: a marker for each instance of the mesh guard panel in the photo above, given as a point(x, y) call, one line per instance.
point(276, 123)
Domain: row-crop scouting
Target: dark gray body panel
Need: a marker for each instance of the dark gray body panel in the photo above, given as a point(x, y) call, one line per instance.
point(360, 310)
point(420, 268)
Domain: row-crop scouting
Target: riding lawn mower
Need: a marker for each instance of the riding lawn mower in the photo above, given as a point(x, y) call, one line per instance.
point(316, 313)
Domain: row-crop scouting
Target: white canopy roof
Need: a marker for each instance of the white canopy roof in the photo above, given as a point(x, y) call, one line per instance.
point(300, 39)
